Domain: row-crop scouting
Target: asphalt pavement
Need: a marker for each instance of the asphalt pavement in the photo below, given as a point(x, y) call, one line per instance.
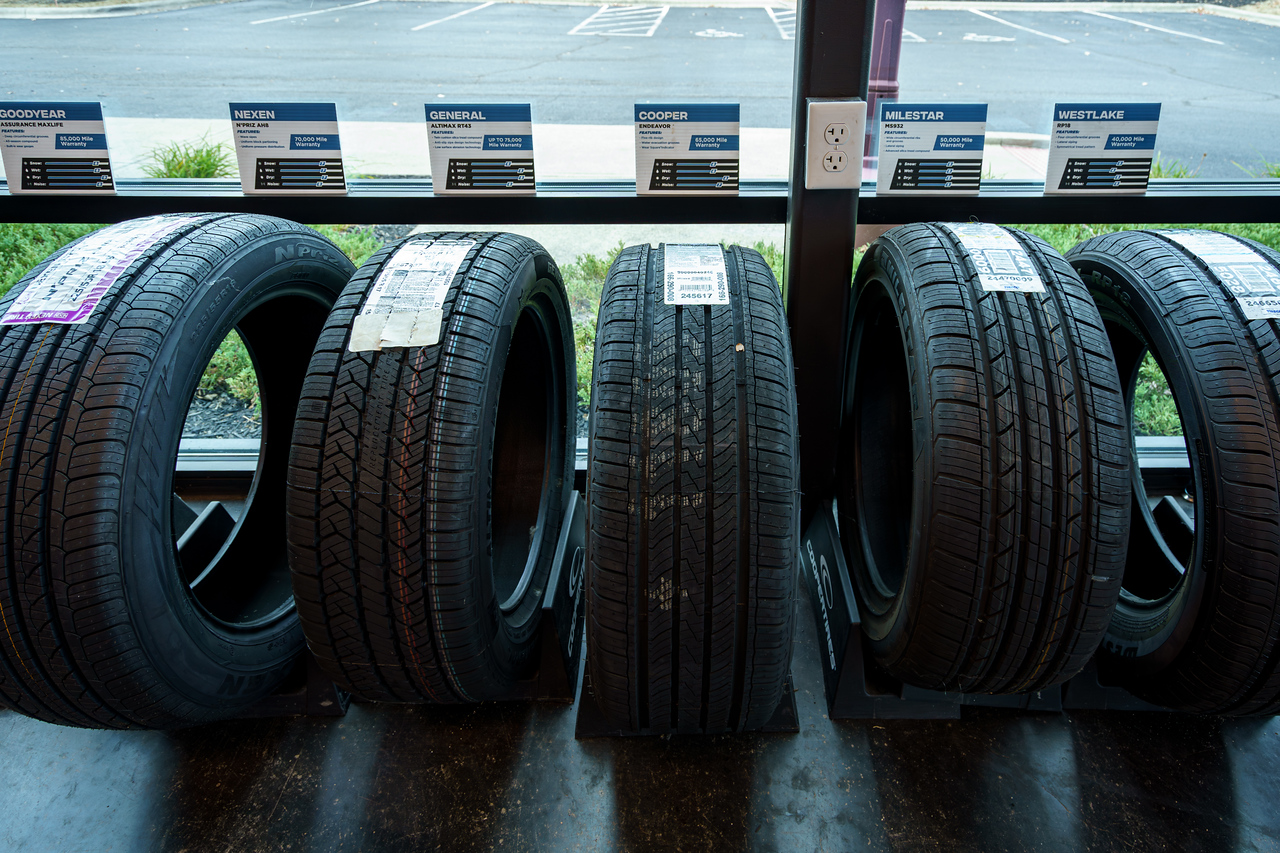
point(1217, 77)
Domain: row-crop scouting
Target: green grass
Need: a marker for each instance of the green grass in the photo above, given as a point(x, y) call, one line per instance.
point(231, 371)
point(23, 245)
point(356, 242)
point(1154, 412)
point(1064, 237)
point(1265, 169)
point(199, 159)
point(583, 282)
point(1162, 168)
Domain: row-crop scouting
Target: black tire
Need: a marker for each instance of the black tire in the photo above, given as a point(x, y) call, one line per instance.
point(983, 493)
point(104, 625)
point(428, 483)
point(692, 489)
point(1198, 623)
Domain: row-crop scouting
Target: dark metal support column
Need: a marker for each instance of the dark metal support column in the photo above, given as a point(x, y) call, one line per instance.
point(833, 54)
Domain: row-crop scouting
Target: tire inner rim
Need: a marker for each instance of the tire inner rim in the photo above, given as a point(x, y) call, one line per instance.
point(1162, 538)
point(227, 522)
point(882, 441)
point(529, 409)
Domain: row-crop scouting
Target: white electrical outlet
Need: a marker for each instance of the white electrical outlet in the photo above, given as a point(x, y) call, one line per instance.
point(833, 148)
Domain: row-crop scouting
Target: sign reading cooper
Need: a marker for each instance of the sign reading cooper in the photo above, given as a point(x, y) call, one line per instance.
point(686, 149)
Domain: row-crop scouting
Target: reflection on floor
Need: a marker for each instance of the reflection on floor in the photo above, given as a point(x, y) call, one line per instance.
point(511, 777)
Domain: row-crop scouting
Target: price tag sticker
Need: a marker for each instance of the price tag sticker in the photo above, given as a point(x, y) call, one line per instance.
point(1248, 276)
point(1003, 265)
point(405, 305)
point(70, 288)
point(695, 275)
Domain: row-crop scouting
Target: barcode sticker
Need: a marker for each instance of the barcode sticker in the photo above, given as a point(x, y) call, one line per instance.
point(695, 275)
point(70, 288)
point(1002, 264)
point(405, 305)
point(1248, 276)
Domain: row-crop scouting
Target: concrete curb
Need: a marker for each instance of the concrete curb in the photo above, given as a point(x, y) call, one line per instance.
point(1099, 6)
point(119, 10)
point(1018, 140)
point(114, 10)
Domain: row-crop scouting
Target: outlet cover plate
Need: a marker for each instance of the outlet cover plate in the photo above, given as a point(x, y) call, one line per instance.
point(842, 113)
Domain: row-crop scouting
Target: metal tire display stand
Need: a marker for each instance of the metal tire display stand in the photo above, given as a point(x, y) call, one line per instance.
point(832, 60)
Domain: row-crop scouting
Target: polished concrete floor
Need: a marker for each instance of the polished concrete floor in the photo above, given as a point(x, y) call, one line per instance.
point(512, 777)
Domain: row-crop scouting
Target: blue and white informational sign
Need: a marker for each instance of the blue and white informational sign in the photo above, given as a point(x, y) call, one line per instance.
point(288, 148)
point(926, 149)
point(55, 148)
point(1101, 148)
point(480, 149)
point(687, 149)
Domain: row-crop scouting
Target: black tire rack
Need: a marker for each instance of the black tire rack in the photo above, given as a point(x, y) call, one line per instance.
point(819, 266)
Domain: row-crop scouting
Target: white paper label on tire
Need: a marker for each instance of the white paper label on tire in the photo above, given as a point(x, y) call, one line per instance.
point(70, 288)
point(1251, 278)
point(1002, 264)
point(405, 306)
point(695, 275)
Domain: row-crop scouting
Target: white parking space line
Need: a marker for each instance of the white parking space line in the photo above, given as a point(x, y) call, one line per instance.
point(785, 21)
point(907, 35)
point(451, 17)
point(989, 17)
point(314, 12)
point(637, 21)
point(1152, 27)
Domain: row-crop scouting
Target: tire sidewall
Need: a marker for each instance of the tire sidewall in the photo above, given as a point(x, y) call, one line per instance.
point(206, 662)
point(885, 621)
point(510, 642)
point(1147, 638)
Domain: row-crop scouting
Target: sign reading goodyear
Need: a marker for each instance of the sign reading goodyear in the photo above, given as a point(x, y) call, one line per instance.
point(55, 149)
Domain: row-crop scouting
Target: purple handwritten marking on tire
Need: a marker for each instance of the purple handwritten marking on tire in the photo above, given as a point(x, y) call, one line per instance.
point(68, 291)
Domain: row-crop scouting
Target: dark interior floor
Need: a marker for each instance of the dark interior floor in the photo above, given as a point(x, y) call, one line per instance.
point(512, 777)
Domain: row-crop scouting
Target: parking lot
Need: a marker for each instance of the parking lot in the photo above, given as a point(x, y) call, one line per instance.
point(1218, 77)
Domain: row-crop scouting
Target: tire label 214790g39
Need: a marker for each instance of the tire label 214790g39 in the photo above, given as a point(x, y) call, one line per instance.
point(71, 286)
point(1002, 264)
